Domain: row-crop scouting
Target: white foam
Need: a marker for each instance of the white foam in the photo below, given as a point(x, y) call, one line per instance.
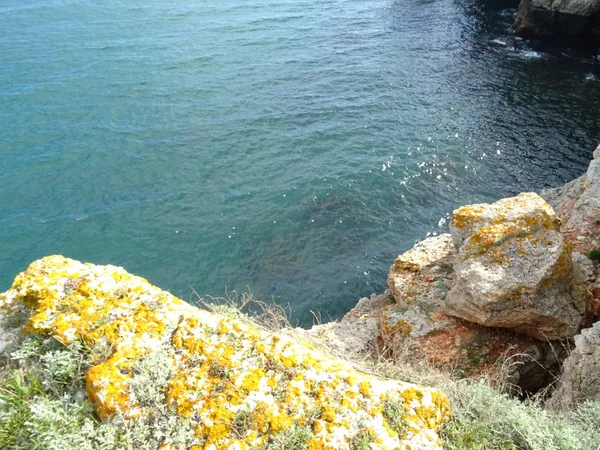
point(530, 54)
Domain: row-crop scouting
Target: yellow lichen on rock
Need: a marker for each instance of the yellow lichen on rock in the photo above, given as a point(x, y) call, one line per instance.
point(240, 386)
point(487, 224)
point(514, 269)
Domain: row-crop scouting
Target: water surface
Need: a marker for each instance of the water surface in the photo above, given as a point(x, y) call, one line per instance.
point(288, 147)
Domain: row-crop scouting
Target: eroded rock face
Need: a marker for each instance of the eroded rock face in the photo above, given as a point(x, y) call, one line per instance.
point(514, 269)
point(216, 369)
point(570, 18)
point(593, 310)
point(580, 379)
point(415, 328)
point(578, 205)
point(419, 279)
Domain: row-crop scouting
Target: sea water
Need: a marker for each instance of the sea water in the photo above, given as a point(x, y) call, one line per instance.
point(291, 148)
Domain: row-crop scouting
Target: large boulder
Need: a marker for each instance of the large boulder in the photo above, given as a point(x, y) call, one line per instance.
point(580, 379)
point(415, 328)
point(239, 386)
point(559, 18)
point(419, 280)
point(514, 269)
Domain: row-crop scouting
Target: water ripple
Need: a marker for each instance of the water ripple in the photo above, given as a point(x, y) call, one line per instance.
point(293, 147)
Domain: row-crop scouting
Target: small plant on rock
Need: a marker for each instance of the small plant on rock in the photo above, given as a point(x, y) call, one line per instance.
point(393, 411)
point(594, 254)
point(362, 440)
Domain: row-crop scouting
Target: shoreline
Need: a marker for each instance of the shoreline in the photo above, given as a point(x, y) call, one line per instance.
point(120, 358)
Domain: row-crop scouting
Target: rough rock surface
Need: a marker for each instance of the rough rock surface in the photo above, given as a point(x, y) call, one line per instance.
point(580, 379)
point(593, 309)
point(514, 269)
point(577, 204)
point(358, 331)
point(570, 18)
point(217, 369)
point(419, 280)
point(414, 327)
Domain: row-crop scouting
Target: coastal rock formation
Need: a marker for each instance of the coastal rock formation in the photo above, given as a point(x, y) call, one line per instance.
point(577, 204)
point(570, 18)
point(419, 280)
point(239, 386)
point(357, 334)
point(505, 284)
point(415, 328)
point(580, 379)
point(514, 269)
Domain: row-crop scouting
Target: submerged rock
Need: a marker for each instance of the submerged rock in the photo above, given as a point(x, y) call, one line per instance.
point(240, 386)
point(514, 269)
point(511, 42)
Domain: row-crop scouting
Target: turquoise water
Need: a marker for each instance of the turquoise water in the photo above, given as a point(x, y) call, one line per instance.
point(289, 147)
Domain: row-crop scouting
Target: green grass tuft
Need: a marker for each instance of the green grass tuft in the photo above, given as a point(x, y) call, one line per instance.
point(594, 255)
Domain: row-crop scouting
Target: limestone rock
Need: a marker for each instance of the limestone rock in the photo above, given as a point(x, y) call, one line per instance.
point(239, 385)
point(429, 262)
point(358, 332)
point(580, 379)
point(415, 328)
point(586, 210)
point(578, 205)
point(423, 254)
point(419, 280)
point(514, 269)
point(508, 216)
point(562, 199)
point(570, 18)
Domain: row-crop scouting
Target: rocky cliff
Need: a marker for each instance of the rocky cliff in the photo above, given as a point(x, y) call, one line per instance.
point(96, 358)
point(512, 282)
point(562, 18)
point(197, 380)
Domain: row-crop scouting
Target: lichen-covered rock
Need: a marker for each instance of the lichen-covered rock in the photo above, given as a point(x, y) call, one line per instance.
point(431, 251)
point(240, 386)
point(514, 269)
point(415, 328)
point(419, 279)
point(580, 379)
point(484, 224)
point(578, 205)
point(559, 18)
